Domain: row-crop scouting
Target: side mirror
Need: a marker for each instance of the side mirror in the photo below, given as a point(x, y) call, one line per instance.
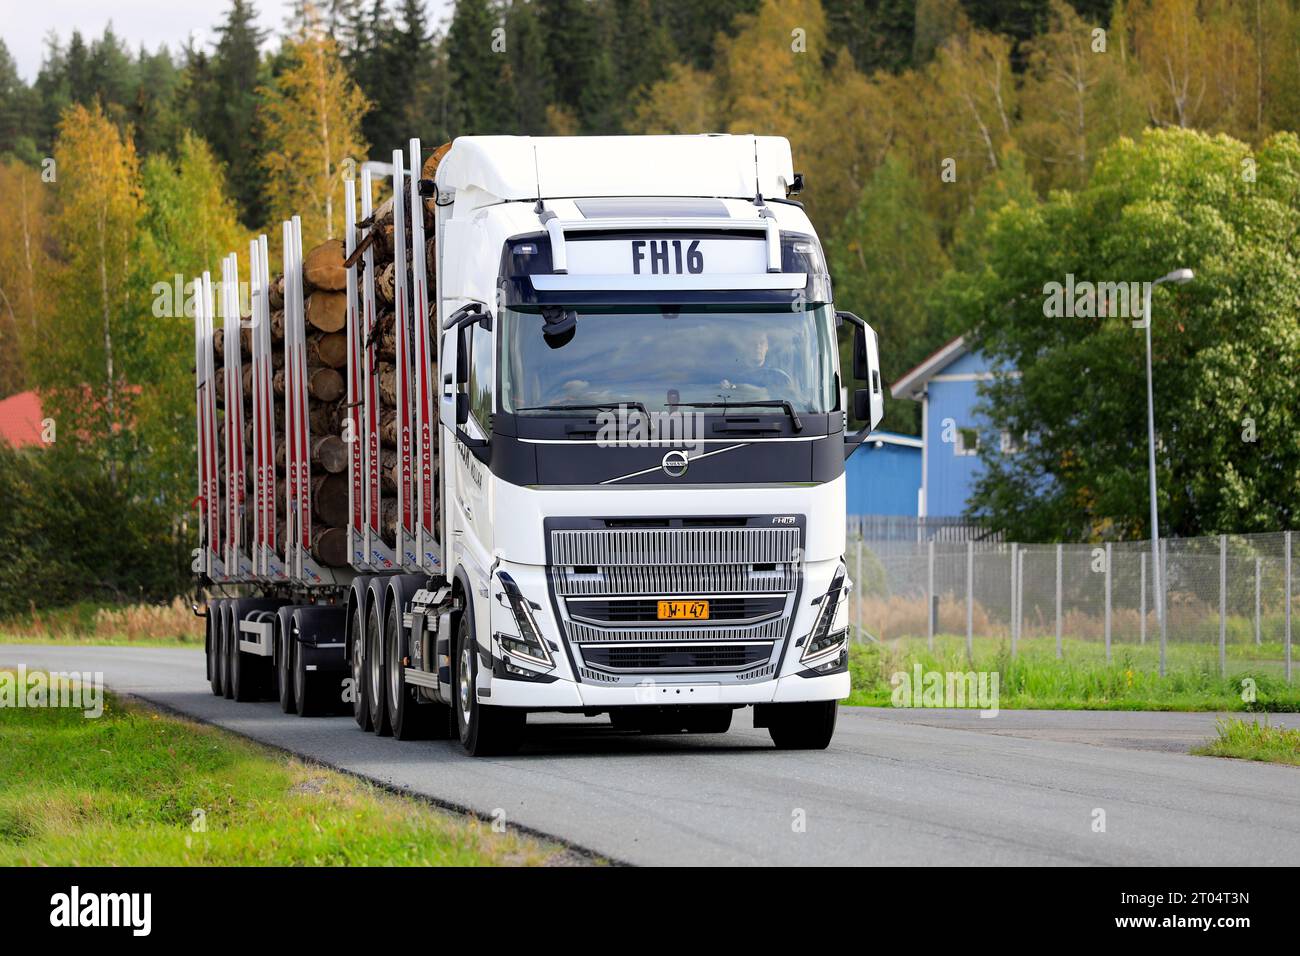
point(860, 350)
point(462, 408)
point(862, 404)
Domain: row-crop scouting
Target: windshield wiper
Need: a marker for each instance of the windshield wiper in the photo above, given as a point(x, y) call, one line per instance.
point(594, 407)
point(795, 421)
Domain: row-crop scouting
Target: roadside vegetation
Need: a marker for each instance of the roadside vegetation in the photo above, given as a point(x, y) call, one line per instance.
point(1083, 680)
point(139, 788)
point(1254, 741)
point(87, 622)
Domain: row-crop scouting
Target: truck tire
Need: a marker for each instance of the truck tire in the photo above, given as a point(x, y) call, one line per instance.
point(411, 718)
point(284, 669)
point(227, 686)
point(484, 731)
point(357, 659)
point(243, 670)
point(802, 726)
point(214, 647)
point(307, 690)
point(376, 699)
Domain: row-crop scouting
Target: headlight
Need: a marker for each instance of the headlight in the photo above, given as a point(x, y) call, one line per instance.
point(825, 643)
point(529, 647)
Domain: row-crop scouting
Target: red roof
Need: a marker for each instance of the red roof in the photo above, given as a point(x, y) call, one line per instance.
point(20, 420)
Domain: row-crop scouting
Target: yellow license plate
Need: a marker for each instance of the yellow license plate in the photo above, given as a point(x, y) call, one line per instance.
point(683, 610)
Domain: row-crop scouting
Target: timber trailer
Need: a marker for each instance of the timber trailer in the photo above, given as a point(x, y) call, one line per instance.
point(624, 399)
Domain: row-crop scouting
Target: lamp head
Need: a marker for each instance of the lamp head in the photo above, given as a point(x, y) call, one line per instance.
point(1178, 277)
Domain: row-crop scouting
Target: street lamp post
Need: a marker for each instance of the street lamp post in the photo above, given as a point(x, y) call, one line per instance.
point(1178, 277)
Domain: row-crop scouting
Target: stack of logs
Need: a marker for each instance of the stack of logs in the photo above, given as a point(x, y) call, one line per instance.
point(324, 290)
point(382, 343)
point(325, 296)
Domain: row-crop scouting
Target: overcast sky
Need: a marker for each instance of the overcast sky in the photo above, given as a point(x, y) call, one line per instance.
point(24, 24)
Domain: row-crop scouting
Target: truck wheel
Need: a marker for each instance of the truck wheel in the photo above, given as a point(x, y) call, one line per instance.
point(306, 684)
point(284, 671)
point(357, 652)
point(243, 672)
point(227, 686)
point(804, 726)
point(410, 718)
point(375, 696)
point(214, 647)
point(484, 731)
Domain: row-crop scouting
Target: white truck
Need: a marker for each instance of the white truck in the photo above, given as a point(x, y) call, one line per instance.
point(622, 433)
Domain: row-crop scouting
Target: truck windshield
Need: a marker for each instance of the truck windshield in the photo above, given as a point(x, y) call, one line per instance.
point(660, 357)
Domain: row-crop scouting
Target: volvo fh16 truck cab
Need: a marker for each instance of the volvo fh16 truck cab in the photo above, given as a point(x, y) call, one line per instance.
point(646, 397)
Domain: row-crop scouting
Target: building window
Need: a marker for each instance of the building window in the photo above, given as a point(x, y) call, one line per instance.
point(968, 442)
point(1007, 443)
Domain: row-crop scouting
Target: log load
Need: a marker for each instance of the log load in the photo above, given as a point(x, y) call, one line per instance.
point(325, 307)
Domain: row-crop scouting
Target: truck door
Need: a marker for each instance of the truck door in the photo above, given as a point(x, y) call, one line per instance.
point(468, 495)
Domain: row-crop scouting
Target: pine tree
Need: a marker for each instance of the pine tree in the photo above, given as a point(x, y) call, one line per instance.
point(228, 120)
point(17, 107)
point(312, 122)
point(528, 70)
point(475, 70)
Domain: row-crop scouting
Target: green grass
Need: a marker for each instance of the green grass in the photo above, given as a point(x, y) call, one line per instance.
point(1083, 680)
point(123, 790)
point(1254, 741)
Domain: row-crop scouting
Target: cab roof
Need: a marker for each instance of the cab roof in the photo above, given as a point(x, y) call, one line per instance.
point(512, 168)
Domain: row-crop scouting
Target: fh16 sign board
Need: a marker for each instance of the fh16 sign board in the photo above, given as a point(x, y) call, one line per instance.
point(667, 256)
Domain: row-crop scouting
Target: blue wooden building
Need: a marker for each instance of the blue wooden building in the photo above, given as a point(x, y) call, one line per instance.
point(947, 386)
point(884, 475)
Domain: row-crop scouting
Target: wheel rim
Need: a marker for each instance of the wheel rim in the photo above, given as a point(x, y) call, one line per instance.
point(375, 682)
point(298, 672)
point(394, 667)
point(282, 670)
point(463, 679)
point(358, 642)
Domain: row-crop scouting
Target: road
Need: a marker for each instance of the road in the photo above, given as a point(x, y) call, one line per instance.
point(896, 787)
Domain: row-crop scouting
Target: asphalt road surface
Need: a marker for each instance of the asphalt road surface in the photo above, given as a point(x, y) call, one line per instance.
point(896, 787)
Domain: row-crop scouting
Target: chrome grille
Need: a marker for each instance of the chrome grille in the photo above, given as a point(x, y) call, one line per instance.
point(637, 547)
point(755, 569)
point(581, 633)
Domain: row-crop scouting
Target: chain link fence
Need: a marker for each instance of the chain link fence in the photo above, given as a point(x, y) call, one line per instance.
point(1228, 600)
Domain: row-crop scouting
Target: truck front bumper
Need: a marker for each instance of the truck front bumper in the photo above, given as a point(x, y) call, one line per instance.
point(562, 694)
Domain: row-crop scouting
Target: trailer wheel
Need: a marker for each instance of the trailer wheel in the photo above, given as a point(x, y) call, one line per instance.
point(227, 685)
point(802, 726)
point(306, 684)
point(409, 717)
point(284, 671)
point(243, 673)
point(484, 731)
point(357, 652)
point(375, 696)
point(214, 647)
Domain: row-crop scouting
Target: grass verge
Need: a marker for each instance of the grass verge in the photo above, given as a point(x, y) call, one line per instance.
point(1254, 741)
point(139, 625)
point(139, 788)
point(1084, 680)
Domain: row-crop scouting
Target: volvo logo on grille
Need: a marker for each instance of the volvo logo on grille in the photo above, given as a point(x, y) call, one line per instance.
point(675, 464)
